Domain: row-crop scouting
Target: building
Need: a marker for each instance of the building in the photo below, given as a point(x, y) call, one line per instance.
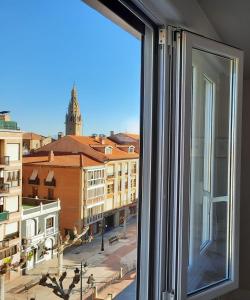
point(126, 138)
point(39, 229)
point(94, 178)
point(10, 190)
point(64, 176)
point(33, 141)
point(73, 120)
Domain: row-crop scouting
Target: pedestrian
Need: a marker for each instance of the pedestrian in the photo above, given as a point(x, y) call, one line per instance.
point(91, 280)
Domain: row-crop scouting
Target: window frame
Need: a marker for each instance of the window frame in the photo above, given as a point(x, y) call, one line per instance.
point(186, 41)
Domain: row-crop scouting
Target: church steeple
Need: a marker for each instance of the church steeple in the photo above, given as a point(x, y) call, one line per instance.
point(73, 119)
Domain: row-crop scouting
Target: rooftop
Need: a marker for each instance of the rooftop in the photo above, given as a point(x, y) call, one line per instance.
point(87, 145)
point(61, 160)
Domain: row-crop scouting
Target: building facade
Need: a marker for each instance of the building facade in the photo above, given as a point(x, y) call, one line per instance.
point(33, 141)
point(99, 181)
point(39, 230)
point(10, 191)
point(73, 120)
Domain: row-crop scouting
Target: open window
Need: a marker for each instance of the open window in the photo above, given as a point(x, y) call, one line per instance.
point(207, 184)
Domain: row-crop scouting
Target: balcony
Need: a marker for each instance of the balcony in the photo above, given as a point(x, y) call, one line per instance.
point(9, 125)
point(34, 181)
point(4, 216)
point(110, 176)
point(50, 183)
point(5, 160)
point(93, 219)
point(4, 188)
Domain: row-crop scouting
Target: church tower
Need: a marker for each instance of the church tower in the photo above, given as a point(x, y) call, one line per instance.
point(73, 119)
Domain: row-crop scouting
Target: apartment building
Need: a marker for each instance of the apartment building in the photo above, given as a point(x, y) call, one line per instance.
point(39, 229)
point(94, 178)
point(33, 141)
point(10, 191)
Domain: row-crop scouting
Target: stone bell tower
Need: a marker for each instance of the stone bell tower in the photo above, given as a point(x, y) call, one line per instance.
point(73, 120)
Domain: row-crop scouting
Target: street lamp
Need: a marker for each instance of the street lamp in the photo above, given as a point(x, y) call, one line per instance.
point(103, 228)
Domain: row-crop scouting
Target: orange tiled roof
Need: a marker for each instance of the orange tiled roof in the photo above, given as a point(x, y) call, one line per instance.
point(86, 145)
point(32, 136)
point(133, 135)
point(74, 160)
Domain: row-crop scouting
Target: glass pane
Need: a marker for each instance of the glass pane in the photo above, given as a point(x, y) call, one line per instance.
point(209, 186)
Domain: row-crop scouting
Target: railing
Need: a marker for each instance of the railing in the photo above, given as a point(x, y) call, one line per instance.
point(94, 218)
point(4, 216)
point(50, 183)
point(34, 181)
point(5, 160)
point(8, 125)
point(39, 208)
point(110, 176)
point(4, 188)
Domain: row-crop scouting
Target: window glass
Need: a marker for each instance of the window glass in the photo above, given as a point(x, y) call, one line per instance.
point(209, 187)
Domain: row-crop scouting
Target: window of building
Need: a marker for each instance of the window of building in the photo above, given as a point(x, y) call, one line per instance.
point(133, 168)
point(110, 188)
point(12, 203)
point(108, 150)
point(1, 204)
point(110, 171)
point(34, 192)
point(51, 194)
point(13, 151)
point(131, 149)
point(49, 222)
point(119, 185)
point(95, 177)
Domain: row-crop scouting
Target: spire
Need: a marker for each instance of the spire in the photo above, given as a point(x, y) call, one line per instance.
point(73, 116)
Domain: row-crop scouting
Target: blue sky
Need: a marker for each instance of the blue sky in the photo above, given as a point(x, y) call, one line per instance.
point(46, 46)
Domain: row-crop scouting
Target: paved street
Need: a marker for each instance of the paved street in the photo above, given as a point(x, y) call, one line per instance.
point(103, 265)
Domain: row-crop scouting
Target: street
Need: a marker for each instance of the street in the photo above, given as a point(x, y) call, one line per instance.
point(103, 265)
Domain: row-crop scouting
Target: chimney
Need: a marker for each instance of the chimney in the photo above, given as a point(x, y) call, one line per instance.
point(112, 132)
point(102, 138)
point(51, 156)
point(59, 135)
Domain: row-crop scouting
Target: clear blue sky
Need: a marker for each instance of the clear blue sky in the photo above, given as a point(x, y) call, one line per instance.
point(46, 46)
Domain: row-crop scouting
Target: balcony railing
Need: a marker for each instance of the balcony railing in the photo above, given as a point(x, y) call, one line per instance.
point(4, 188)
point(50, 183)
point(34, 181)
point(4, 216)
point(94, 218)
point(5, 160)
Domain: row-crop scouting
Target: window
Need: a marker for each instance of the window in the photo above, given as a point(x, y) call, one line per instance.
point(13, 151)
point(34, 192)
point(110, 171)
point(1, 204)
point(131, 149)
point(50, 194)
point(12, 203)
point(95, 177)
point(133, 168)
point(110, 188)
point(13, 178)
point(108, 150)
point(49, 222)
point(119, 185)
point(11, 228)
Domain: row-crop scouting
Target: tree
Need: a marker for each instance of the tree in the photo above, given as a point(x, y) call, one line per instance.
point(57, 285)
point(62, 245)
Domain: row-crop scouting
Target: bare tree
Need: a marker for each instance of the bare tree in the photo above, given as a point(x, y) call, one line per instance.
point(57, 285)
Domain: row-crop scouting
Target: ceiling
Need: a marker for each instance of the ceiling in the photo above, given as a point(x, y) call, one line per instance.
point(231, 20)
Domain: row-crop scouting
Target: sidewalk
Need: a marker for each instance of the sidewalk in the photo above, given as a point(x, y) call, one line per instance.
point(103, 265)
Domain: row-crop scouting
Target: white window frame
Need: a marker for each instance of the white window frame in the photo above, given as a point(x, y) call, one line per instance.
point(188, 41)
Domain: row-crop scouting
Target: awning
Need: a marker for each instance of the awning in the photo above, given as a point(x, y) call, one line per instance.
point(50, 176)
point(34, 174)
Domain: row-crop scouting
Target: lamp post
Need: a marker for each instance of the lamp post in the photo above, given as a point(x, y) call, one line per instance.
point(82, 265)
point(103, 227)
